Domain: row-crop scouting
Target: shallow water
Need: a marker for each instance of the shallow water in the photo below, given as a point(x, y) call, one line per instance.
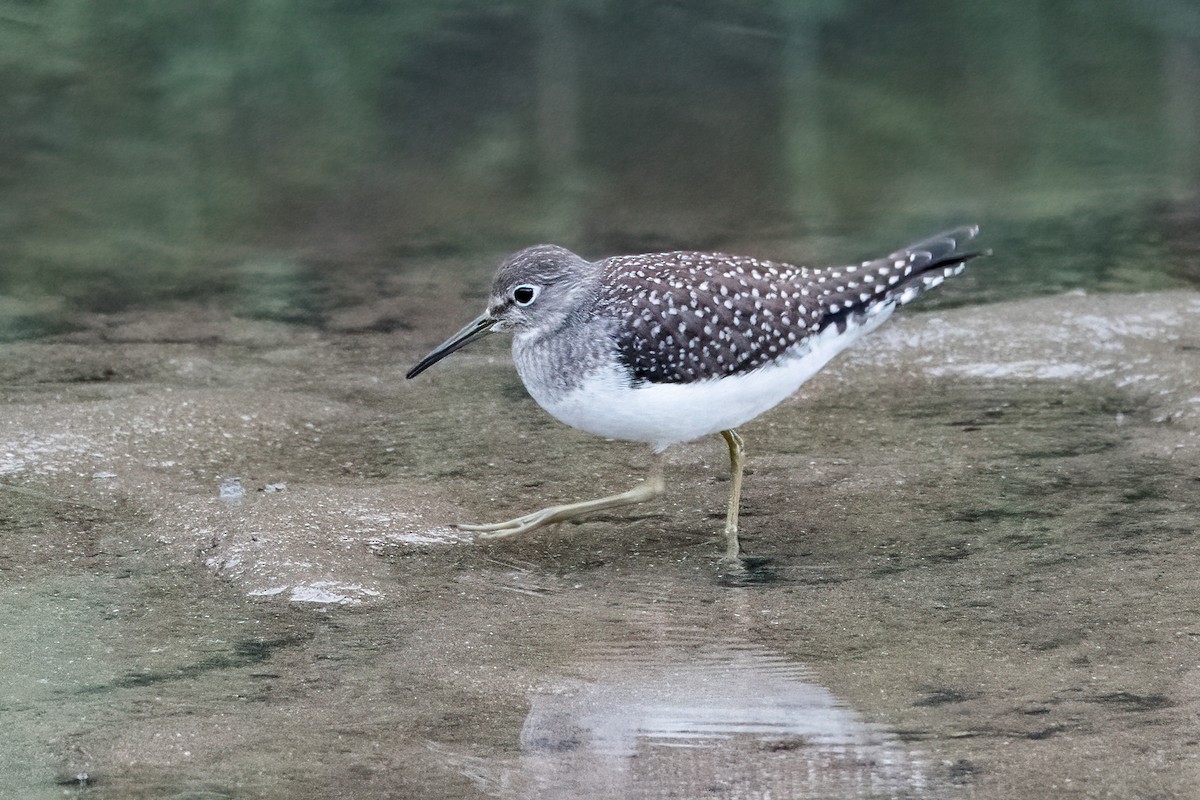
point(972, 568)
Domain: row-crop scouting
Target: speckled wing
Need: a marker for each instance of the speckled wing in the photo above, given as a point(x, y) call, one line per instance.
point(684, 316)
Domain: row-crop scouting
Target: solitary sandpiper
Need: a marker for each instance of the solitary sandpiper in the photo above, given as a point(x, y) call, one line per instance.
point(670, 347)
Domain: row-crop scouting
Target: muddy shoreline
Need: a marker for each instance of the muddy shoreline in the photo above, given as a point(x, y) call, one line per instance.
point(976, 534)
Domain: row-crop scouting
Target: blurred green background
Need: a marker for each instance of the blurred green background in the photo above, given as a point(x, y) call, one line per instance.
point(152, 151)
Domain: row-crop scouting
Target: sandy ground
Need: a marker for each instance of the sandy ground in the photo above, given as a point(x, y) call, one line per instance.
point(974, 568)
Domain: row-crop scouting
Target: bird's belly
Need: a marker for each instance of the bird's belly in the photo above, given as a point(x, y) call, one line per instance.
point(662, 414)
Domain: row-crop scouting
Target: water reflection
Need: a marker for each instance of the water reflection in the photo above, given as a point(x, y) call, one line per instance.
point(728, 720)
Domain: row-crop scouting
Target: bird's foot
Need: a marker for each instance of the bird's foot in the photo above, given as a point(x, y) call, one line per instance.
point(554, 514)
point(733, 547)
point(525, 523)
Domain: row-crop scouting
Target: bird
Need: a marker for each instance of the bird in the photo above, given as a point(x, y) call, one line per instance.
point(663, 348)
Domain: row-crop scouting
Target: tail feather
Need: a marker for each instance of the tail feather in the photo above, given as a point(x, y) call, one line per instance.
point(877, 287)
point(933, 260)
point(944, 245)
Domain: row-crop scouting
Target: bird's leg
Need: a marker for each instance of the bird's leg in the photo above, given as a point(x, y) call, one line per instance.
point(736, 458)
point(650, 489)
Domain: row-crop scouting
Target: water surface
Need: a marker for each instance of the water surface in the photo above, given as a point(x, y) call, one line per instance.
point(972, 546)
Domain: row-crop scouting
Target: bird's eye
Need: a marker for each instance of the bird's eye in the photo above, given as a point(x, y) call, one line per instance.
point(525, 294)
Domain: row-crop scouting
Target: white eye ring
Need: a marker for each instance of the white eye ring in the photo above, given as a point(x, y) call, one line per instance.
point(525, 294)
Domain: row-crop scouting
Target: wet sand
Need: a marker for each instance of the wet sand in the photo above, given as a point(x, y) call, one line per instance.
point(973, 568)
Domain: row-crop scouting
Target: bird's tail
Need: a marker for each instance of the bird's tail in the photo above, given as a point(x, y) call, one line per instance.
point(870, 291)
point(927, 263)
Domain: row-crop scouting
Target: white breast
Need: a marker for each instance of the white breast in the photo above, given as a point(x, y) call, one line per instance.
point(662, 414)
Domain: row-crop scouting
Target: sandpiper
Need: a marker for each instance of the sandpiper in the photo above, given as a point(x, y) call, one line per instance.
point(669, 347)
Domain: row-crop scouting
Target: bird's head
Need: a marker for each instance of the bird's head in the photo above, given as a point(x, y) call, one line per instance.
point(534, 288)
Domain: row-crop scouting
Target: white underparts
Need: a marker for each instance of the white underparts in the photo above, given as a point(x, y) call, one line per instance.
point(662, 414)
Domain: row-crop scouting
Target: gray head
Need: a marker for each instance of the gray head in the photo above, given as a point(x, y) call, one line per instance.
point(534, 288)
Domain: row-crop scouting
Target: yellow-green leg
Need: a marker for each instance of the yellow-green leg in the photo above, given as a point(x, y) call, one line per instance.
point(736, 458)
point(650, 489)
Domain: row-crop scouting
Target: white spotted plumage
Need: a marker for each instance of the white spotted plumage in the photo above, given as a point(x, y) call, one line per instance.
point(667, 347)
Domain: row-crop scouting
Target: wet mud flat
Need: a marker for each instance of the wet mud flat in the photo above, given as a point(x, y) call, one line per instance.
point(973, 568)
